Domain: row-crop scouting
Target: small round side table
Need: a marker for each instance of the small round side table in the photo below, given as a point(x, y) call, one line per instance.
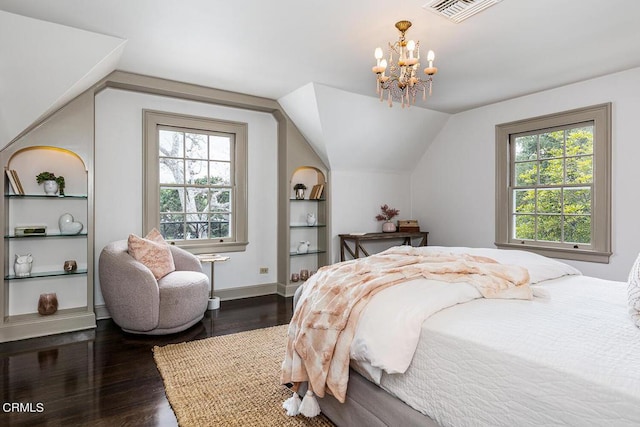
point(214, 301)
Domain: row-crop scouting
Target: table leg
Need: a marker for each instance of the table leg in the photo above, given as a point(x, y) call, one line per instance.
point(214, 301)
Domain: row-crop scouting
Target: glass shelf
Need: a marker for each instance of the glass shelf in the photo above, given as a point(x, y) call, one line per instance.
point(317, 251)
point(44, 236)
point(40, 274)
point(308, 226)
point(44, 196)
point(307, 200)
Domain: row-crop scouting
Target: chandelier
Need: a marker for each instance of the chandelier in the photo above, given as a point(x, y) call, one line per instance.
point(402, 83)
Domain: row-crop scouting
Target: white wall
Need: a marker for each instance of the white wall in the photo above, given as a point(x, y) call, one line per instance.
point(454, 183)
point(118, 180)
point(356, 132)
point(47, 65)
point(356, 200)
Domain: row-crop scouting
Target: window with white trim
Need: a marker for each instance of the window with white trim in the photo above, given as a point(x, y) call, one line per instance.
point(553, 184)
point(195, 181)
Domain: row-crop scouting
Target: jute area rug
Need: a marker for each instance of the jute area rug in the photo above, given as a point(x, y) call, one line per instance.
point(230, 380)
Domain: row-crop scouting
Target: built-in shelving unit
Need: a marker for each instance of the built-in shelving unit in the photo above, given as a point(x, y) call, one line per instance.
point(19, 317)
point(300, 231)
point(299, 162)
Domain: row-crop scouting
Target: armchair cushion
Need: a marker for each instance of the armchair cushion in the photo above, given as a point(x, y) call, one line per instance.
point(153, 252)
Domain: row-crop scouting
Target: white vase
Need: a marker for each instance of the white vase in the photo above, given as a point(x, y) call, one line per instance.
point(388, 227)
point(50, 187)
point(300, 193)
point(311, 219)
point(303, 247)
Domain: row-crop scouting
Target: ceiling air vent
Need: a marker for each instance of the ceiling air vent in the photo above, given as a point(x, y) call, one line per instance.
point(458, 10)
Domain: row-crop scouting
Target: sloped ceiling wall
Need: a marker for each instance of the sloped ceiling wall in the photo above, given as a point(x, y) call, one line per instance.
point(355, 132)
point(44, 66)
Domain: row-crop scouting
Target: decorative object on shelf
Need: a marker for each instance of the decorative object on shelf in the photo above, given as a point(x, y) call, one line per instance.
point(52, 183)
point(30, 230)
point(311, 219)
point(295, 277)
point(304, 274)
point(68, 225)
point(299, 189)
point(48, 304)
point(22, 265)
point(403, 84)
point(303, 247)
point(387, 215)
point(70, 265)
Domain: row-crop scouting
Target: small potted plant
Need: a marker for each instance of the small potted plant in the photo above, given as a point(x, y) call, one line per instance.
point(299, 188)
point(52, 183)
point(387, 215)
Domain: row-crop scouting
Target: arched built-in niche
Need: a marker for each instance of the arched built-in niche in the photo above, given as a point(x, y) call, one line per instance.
point(29, 207)
point(31, 161)
point(303, 229)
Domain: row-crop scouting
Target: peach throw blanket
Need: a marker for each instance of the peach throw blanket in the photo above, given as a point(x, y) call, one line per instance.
point(324, 323)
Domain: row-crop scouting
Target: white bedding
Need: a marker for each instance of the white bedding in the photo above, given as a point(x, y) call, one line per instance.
point(570, 359)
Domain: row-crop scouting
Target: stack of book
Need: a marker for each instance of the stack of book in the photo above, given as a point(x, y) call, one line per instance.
point(408, 225)
point(316, 192)
point(16, 185)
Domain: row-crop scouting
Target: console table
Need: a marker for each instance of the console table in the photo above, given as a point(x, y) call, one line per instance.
point(357, 240)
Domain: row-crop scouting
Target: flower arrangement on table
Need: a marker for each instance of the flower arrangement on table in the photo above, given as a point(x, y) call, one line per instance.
point(387, 215)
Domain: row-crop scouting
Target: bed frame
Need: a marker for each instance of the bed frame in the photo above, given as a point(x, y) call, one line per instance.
point(367, 404)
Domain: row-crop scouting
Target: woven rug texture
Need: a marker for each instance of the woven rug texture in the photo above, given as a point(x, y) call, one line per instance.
point(229, 380)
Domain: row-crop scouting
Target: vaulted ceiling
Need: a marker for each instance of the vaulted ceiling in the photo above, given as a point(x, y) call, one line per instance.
point(312, 56)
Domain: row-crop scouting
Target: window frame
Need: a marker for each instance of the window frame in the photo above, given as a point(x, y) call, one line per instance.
point(599, 250)
point(152, 121)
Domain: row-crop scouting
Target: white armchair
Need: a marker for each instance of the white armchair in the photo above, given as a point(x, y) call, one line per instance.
point(140, 304)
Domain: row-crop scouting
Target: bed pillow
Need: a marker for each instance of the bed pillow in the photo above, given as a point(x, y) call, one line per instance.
point(540, 268)
point(153, 252)
point(633, 289)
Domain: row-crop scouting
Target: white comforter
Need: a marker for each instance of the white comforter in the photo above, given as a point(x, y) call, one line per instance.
point(570, 359)
point(380, 345)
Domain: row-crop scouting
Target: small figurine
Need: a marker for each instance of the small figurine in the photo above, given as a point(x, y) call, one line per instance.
point(22, 265)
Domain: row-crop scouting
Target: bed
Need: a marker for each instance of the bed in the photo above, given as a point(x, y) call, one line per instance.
point(570, 356)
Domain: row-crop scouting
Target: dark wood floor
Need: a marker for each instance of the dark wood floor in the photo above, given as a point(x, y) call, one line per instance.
point(107, 377)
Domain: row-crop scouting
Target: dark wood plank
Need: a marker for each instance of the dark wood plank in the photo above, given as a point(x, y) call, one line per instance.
point(108, 377)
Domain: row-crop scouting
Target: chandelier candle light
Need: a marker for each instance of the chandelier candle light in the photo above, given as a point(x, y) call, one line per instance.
point(402, 84)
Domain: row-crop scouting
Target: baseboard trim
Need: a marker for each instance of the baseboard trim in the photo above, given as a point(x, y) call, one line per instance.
point(229, 294)
point(288, 290)
point(247, 291)
point(102, 312)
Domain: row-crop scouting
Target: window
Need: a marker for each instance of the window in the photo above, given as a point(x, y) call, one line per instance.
point(553, 184)
point(195, 181)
